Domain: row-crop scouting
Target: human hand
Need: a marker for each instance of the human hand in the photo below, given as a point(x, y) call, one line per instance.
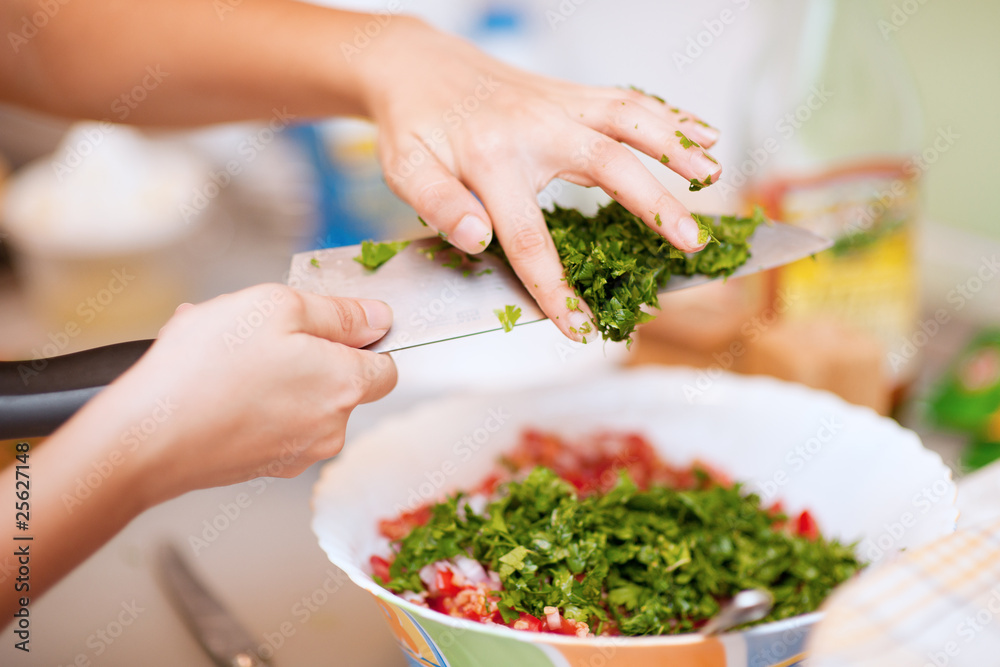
point(259, 382)
point(453, 121)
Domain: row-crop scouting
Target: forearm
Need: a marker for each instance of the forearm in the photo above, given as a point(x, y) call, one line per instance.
point(86, 484)
point(190, 57)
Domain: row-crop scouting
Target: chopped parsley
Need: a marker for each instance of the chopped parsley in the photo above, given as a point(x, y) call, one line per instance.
point(655, 97)
point(572, 303)
point(374, 255)
point(664, 159)
point(698, 185)
point(314, 262)
point(617, 264)
point(685, 142)
point(643, 562)
point(508, 316)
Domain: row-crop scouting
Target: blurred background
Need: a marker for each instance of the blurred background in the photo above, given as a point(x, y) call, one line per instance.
point(869, 121)
point(872, 121)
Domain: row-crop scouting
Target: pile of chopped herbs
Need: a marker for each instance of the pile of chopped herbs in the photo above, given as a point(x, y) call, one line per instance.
point(613, 260)
point(617, 264)
point(628, 561)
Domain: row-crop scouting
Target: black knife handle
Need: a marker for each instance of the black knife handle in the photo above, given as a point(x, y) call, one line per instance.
point(38, 396)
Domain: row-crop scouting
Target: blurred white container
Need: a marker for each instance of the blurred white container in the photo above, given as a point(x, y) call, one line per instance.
point(97, 228)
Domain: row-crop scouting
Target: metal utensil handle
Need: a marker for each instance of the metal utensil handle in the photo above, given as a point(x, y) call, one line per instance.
point(38, 396)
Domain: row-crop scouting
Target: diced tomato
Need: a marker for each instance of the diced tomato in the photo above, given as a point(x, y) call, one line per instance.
point(806, 526)
point(444, 580)
point(489, 485)
point(380, 567)
point(527, 622)
point(400, 527)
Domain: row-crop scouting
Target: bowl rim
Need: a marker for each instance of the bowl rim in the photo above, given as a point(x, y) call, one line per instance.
point(362, 579)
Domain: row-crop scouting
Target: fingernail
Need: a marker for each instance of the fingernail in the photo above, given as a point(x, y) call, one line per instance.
point(378, 314)
point(705, 132)
point(689, 233)
point(704, 164)
point(472, 234)
point(579, 324)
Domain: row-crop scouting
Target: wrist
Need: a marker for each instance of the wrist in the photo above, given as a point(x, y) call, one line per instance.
point(115, 445)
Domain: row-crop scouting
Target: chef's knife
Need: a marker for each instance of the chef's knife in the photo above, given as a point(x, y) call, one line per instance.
point(219, 633)
point(432, 300)
point(435, 299)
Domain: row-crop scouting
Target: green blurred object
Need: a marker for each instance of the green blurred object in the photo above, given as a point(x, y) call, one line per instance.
point(980, 453)
point(967, 398)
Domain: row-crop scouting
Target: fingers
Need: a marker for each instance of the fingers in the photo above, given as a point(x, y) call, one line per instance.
point(374, 375)
point(675, 139)
point(689, 123)
point(352, 322)
point(442, 202)
point(520, 228)
point(604, 162)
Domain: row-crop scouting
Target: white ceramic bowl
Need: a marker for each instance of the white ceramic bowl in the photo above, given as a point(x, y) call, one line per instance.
point(863, 477)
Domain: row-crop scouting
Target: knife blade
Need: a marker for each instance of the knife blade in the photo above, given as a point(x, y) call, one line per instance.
point(432, 302)
point(221, 636)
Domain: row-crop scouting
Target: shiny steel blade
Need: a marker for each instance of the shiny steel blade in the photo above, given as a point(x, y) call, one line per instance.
point(432, 302)
point(218, 631)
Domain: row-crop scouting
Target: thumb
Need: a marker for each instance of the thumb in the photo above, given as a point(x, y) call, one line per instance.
point(353, 322)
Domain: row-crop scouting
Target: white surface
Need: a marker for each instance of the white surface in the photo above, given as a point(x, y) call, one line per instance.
point(859, 474)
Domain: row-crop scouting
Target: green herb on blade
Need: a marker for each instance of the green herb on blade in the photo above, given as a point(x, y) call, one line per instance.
point(617, 264)
point(373, 255)
point(508, 316)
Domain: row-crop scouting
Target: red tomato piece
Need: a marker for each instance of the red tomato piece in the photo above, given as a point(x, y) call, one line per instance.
point(806, 526)
point(380, 567)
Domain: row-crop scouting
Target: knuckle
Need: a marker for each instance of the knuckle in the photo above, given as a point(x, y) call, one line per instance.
point(601, 153)
point(346, 313)
point(431, 197)
point(527, 242)
point(330, 446)
point(489, 143)
point(665, 204)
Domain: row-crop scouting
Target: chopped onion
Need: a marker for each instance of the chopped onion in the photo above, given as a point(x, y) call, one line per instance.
point(553, 618)
point(471, 570)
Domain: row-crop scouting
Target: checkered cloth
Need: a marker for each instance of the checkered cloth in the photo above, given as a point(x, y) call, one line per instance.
point(937, 606)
